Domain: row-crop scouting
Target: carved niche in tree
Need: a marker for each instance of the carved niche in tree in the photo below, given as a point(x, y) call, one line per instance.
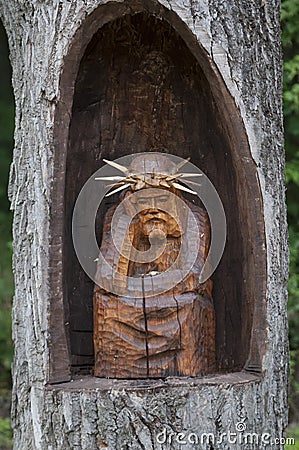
point(152, 317)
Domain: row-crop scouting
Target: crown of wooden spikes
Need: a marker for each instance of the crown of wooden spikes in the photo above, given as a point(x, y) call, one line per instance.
point(149, 171)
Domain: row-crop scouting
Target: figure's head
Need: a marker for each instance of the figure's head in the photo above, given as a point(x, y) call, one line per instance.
point(153, 184)
point(155, 196)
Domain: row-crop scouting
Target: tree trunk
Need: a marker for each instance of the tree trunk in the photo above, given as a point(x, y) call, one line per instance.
point(242, 41)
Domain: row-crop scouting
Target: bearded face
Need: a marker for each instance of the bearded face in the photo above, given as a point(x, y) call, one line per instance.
point(157, 213)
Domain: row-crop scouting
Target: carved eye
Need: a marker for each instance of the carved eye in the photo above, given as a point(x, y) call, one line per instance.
point(143, 201)
point(163, 198)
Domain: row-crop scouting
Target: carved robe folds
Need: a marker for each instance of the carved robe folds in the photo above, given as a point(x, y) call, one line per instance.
point(170, 334)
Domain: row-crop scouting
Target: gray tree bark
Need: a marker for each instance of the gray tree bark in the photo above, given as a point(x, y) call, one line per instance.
point(243, 40)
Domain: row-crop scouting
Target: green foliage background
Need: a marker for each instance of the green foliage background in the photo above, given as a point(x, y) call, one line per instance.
point(6, 280)
point(290, 38)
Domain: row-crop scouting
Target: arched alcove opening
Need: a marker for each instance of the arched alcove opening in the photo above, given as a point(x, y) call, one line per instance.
point(135, 82)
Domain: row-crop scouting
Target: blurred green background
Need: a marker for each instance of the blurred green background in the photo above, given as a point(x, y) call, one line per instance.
point(290, 42)
point(6, 279)
point(290, 39)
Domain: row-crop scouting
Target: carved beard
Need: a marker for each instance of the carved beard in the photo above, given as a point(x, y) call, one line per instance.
point(156, 222)
point(156, 225)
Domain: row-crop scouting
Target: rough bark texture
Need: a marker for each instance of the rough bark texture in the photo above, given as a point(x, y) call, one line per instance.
point(242, 38)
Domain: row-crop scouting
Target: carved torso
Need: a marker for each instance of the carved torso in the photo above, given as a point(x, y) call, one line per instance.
point(170, 334)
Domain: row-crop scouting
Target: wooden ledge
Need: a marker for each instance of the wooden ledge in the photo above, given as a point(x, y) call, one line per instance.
point(106, 384)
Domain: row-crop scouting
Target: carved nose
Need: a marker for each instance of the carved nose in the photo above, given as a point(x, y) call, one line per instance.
point(153, 204)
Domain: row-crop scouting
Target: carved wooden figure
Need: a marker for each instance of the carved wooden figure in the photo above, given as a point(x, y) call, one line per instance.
point(136, 334)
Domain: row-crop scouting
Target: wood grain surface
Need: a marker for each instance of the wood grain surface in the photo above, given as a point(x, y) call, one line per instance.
point(171, 334)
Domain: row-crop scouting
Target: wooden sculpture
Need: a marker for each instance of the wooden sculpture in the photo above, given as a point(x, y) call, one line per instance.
point(169, 334)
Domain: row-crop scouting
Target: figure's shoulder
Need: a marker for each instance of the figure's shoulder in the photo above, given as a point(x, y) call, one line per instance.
point(199, 212)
